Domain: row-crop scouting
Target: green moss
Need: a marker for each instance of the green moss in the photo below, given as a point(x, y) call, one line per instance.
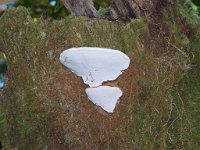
point(178, 35)
point(34, 104)
point(43, 103)
point(187, 97)
point(186, 14)
point(185, 128)
point(45, 106)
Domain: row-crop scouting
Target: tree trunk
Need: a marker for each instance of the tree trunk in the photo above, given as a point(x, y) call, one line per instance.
point(81, 7)
point(118, 10)
point(44, 105)
point(122, 9)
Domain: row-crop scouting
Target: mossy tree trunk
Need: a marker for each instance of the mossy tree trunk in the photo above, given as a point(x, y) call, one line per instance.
point(124, 9)
point(118, 10)
point(81, 7)
point(44, 105)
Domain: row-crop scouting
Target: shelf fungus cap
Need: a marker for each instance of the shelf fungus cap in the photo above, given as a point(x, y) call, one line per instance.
point(95, 65)
point(104, 96)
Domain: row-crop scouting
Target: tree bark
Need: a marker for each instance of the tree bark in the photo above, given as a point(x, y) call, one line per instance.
point(81, 7)
point(119, 9)
point(124, 9)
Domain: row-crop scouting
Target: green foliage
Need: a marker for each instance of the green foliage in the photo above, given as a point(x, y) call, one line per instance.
point(38, 8)
point(196, 6)
point(196, 2)
point(43, 7)
point(100, 4)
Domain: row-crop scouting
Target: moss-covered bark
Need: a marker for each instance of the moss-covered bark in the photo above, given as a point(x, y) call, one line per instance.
point(40, 101)
point(44, 106)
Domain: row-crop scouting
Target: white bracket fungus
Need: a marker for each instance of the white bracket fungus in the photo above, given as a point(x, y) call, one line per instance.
point(104, 96)
point(95, 66)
